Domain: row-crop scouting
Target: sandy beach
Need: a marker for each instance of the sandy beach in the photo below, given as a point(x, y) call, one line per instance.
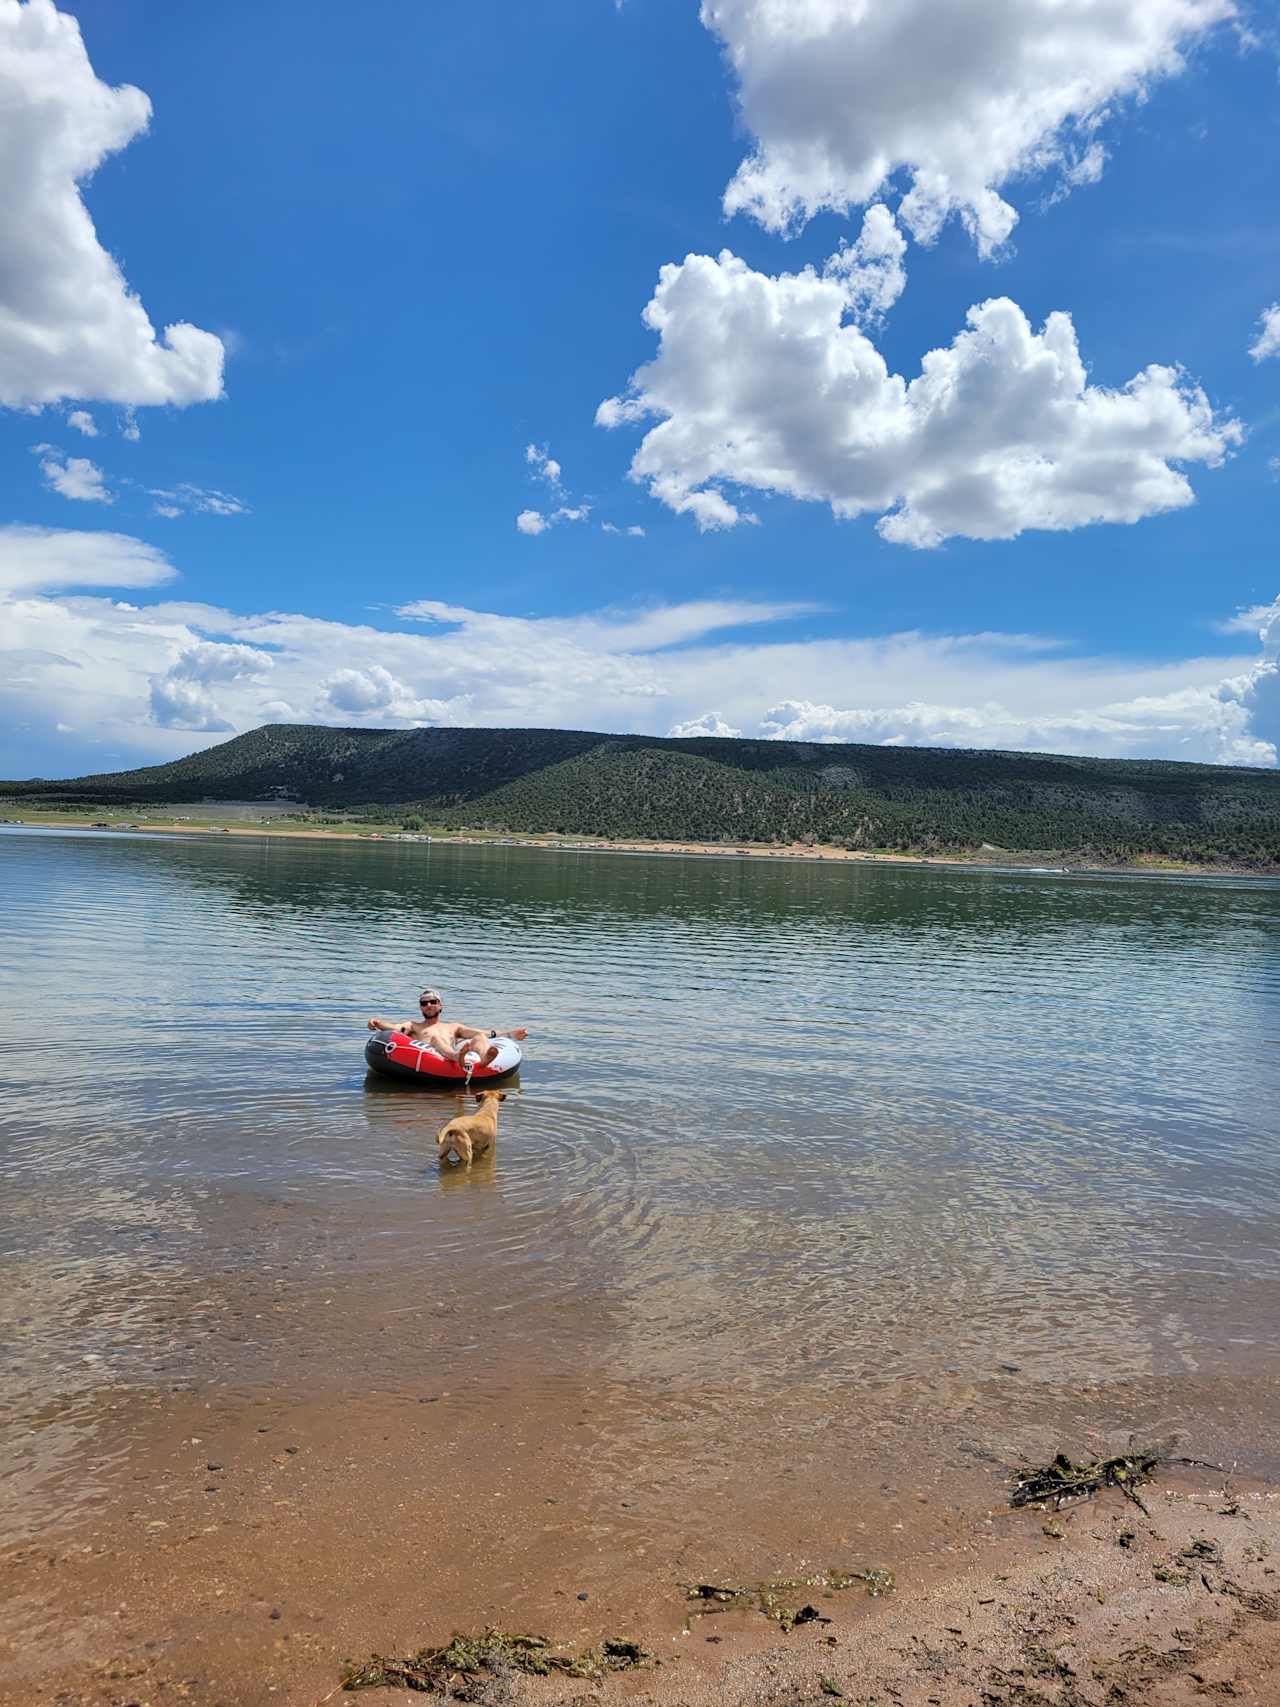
point(248, 1548)
point(228, 1541)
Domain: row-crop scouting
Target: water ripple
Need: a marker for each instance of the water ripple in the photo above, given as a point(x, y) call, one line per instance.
point(840, 1125)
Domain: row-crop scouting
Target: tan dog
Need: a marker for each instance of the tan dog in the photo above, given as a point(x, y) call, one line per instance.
point(468, 1135)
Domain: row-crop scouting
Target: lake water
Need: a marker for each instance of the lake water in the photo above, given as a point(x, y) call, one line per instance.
point(914, 1152)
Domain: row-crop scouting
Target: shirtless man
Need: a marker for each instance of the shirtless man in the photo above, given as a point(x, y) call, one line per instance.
point(448, 1037)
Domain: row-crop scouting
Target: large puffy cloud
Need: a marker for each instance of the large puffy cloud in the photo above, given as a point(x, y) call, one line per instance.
point(182, 698)
point(70, 327)
point(1253, 698)
point(374, 693)
point(761, 382)
point(842, 94)
point(89, 682)
point(710, 723)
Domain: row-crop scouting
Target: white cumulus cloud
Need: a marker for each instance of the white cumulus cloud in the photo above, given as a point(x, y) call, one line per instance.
point(73, 476)
point(1254, 696)
point(761, 382)
point(710, 723)
point(962, 96)
point(70, 327)
point(374, 693)
point(1267, 343)
point(183, 697)
point(149, 681)
point(83, 422)
point(1144, 726)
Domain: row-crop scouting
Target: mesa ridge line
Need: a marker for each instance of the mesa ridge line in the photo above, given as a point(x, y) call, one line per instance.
point(712, 789)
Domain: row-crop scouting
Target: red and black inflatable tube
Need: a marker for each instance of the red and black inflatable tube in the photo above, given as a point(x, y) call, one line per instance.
point(396, 1056)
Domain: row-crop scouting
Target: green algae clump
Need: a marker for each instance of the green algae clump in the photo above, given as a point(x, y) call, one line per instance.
point(495, 1653)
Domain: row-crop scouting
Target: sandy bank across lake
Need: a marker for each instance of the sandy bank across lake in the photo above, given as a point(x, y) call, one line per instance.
point(1047, 862)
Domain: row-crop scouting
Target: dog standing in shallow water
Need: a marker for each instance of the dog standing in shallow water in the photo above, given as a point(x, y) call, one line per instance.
point(468, 1135)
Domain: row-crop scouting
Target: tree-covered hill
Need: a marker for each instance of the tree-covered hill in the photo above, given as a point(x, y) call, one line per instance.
point(727, 790)
point(331, 767)
point(1013, 801)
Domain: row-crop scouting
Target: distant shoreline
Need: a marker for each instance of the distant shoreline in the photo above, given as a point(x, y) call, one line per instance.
point(1042, 862)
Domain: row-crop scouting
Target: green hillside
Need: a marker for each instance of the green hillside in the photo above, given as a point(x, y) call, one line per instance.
point(726, 790)
point(330, 767)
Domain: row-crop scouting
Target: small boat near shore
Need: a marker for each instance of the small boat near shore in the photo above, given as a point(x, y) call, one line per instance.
point(396, 1056)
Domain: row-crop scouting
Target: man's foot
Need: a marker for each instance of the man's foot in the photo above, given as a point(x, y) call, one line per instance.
point(490, 1054)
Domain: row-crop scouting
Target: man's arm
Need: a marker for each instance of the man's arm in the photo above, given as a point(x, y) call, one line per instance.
point(403, 1025)
point(519, 1034)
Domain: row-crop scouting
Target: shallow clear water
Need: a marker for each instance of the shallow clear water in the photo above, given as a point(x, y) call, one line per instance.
point(782, 1127)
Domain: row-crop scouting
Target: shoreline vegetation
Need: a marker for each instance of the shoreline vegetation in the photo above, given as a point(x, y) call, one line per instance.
point(704, 795)
point(266, 819)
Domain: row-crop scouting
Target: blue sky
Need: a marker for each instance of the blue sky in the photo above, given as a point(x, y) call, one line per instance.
point(416, 247)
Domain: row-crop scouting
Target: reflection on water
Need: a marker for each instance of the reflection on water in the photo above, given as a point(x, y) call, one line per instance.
point(845, 1129)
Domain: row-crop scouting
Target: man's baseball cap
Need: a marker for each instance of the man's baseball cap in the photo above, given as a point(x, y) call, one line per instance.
point(431, 996)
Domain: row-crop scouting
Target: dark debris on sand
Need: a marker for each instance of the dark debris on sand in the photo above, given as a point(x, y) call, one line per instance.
point(469, 1666)
point(777, 1598)
point(1063, 1479)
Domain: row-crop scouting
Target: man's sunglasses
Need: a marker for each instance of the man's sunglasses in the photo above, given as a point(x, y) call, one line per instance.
point(428, 1001)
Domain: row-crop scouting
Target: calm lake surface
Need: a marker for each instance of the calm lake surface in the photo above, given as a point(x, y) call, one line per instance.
point(901, 1143)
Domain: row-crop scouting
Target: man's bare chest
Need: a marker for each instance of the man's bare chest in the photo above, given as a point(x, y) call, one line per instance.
point(440, 1032)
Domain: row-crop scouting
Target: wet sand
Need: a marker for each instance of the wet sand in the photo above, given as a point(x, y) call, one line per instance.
point(231, 1543)
point(329, 1532)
